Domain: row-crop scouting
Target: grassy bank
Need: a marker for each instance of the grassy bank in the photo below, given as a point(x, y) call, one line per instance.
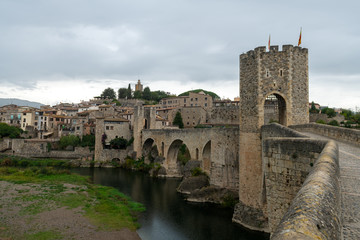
point(16, 161)
point(37, 190)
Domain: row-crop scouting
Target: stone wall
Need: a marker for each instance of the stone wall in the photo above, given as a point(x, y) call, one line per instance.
point(301, 185)
point(287, 162)
point(318, 116)
point(342, 134)
point(315, 213)
point(216, 148)
point(224, 115)
point(38, 149)
point(5, 144)
point(281, 74)
point(107, 155)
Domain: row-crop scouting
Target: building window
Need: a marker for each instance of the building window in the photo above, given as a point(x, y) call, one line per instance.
point(111, 127)
point(205, 104)
point(77, 128)
point(206, 99)
point(191, 99)
point(107, 127)
point(196, 99)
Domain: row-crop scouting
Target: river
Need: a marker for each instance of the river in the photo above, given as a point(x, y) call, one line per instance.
point(168, 216)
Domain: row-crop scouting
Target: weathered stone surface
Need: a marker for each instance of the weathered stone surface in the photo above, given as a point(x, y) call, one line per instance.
point(283, 74)
point(315, 213)
point(249, 217)
point(216, 148)
point(189, 166)
point(351, 136)
point(190, 184)
point(213, 194)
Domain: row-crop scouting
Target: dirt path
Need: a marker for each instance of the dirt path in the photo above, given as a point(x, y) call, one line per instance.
point(26, 213)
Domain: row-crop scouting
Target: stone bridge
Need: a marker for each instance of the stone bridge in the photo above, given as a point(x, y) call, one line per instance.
point(215, 148)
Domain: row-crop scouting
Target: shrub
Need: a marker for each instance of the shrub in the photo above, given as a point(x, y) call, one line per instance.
point(334, 123)
point(88, 141)
point(119, 143)
point(178, 121)
point(197, 172)
point(70, 140)
point(320, 121)
point(9, 131)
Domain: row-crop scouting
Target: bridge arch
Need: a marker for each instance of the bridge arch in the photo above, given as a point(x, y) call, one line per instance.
point(149, 150)
point(274, 108)
point(174, 166)
point(206, 154)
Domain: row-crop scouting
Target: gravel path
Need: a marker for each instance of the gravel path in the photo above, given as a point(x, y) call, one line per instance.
point(350, 187)
point(22, 218)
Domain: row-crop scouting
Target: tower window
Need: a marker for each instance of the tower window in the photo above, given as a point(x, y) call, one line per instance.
point(267, 73)
point(281, 72)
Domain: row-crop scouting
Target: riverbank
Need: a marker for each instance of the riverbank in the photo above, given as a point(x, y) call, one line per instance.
point(43, 203)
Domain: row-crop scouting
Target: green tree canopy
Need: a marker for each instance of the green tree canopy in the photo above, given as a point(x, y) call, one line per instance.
point(9, 131)
point(119, 143)
point(178, 120)
point(330, 112)
point(128, 94)
point(108, 93)
point(212, 94)
point(146, 94)
point(137, 94)
point(122, 92)
point(313, 109)
point(70, 140)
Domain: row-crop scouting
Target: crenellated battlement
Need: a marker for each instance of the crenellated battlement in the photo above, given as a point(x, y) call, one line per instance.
point(273, 49)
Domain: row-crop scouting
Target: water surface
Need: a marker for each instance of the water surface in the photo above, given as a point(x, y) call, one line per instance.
point(168, 216)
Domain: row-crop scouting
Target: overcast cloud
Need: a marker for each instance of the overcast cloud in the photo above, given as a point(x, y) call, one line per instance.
point(54, 51)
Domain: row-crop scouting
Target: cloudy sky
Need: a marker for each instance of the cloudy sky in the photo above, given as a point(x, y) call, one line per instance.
point(65, 51)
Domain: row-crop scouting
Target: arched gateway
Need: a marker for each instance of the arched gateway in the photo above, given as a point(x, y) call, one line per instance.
point(273, 85)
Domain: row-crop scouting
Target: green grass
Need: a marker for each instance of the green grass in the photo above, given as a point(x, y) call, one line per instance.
point(15, 161)
point(105, 207)
point(45, 235)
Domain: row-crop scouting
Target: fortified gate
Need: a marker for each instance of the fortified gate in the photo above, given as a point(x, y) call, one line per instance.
point(278, 78)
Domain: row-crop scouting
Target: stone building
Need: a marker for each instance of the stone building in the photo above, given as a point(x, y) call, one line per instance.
point(193, 100)
point(280, 74)
point(116, 128)
point(139, 86)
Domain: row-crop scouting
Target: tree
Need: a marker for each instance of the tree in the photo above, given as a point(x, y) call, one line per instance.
point(178, 120)
point(128, 94)
point(122, 92)
point(9, 131)
point(137, 94)
point(108, 93)
point(70, 140)
point(330, 112)
point(334, 123)
point(119, 143)
point(313, 109)
point(146, 94)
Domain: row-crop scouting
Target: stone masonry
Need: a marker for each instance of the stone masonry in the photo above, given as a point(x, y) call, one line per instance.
point(285, 75)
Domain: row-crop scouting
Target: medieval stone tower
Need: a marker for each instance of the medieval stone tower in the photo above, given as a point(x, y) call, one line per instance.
point(280, 75)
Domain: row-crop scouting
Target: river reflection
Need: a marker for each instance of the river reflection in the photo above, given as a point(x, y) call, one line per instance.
point(167, 215)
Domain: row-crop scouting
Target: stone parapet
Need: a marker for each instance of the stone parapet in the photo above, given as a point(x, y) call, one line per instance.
point(351, 136)
point(315, 212)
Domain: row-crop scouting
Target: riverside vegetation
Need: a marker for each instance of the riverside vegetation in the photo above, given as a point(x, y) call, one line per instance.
point(37, 189)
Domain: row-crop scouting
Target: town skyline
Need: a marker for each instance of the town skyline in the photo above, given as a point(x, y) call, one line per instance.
point(172, 47)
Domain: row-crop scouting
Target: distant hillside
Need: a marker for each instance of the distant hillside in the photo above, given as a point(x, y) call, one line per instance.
point(19, 102)
point(214, 95)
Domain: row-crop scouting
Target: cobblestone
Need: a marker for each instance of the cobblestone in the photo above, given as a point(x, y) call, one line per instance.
point(350, 186)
